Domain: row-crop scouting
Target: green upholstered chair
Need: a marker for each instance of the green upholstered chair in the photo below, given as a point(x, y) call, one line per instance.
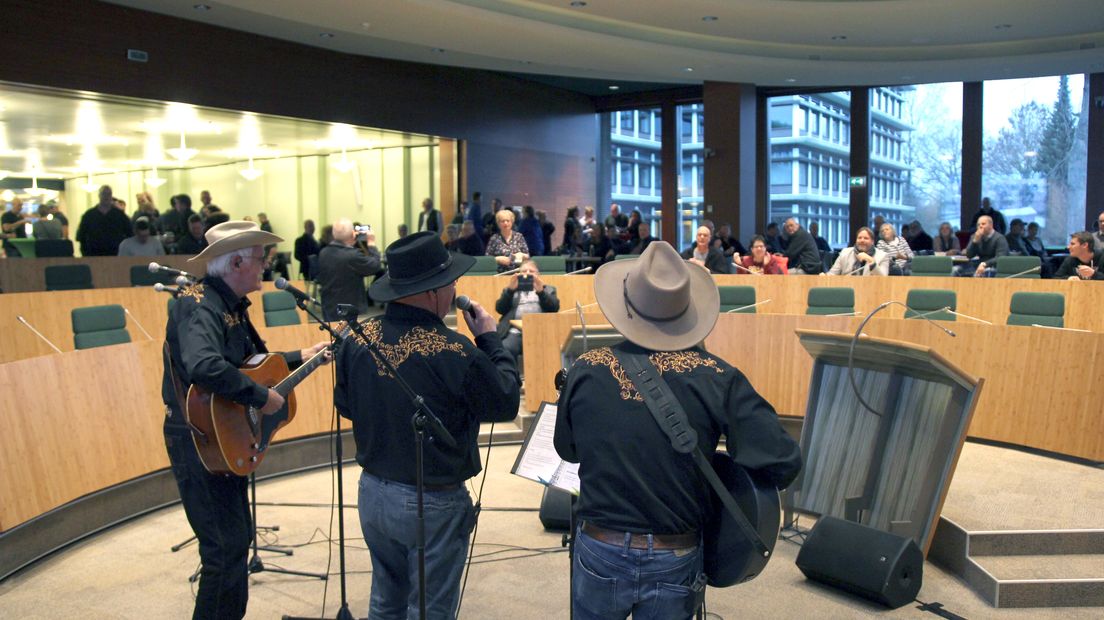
point(737, 299)
point(140, 276)
point(1037, 309)
point(68, 277)
point(484, 266)
point(927, 301)
point(831, 300)
point(279, 309)
point(53, 248)
point(932, 265)
point(26, 247)
point(99, 326)
point(626, 256)
point(1012, 265)
point(550, 265)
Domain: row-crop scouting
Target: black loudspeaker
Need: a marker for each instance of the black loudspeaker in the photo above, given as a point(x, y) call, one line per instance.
point(555, 509)
point(877, 565)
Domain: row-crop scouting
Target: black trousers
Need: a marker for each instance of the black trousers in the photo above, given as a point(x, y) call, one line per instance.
point(217, 507)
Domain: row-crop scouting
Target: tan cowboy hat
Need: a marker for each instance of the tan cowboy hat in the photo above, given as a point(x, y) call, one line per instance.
point(235, 235)
point(658, 301)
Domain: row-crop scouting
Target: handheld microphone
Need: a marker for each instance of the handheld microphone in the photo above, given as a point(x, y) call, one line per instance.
point(156, 267)
point(1024, 273)
point(172, 290)
point(284, 285)
point(464, 304)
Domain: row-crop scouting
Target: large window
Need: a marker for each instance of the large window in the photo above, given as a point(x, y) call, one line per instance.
point(1035, 161)
point(691, 172)
point(809, 161)
point(635, 160)
point(917, 154)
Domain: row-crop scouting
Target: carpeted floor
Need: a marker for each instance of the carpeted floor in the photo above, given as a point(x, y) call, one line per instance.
point(521, 571)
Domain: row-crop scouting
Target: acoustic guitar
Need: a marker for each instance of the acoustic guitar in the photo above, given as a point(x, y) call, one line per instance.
point(232, 438)
point(730, 558)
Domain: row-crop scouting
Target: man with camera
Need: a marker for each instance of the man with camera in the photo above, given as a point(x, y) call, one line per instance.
point(525, 294)
point(342, 266)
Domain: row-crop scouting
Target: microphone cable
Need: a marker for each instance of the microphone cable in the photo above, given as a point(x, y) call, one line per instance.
point(478, 510)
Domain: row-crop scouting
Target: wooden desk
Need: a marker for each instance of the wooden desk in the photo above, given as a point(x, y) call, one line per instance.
point(1029, 399)
point(25, 275)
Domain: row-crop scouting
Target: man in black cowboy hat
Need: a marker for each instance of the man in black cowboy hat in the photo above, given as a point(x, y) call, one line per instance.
point(464, 384)
point(642, 505)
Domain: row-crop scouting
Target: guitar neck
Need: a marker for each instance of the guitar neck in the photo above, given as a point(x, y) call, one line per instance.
point(288, 384)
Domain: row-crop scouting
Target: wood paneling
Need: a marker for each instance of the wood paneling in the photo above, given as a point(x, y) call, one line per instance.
point(49, 313)
point(25, 275)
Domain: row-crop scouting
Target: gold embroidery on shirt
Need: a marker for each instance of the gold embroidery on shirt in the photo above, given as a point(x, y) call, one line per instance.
point(231, 320)
point(678, 362)
point(419, 340)
point(194, 291)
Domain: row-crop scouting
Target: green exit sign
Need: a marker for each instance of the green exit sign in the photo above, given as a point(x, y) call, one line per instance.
point(857, 181)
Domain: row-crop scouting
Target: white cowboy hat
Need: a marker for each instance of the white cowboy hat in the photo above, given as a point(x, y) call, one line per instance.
point(229, 236)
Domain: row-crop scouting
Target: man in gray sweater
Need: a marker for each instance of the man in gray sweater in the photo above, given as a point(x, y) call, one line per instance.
point(987, 245)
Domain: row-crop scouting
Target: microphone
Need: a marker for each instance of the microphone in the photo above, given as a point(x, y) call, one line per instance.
point(37, 333)
point(924, 315)
point(1064, 329)
point(464, 304)
point(739, 266)
point(136, 322)
point(284, 285)
point(578, 271)
point(510, 272)
point(972, 318)
point(1024, 273)
point(856, 270)
point(578, 307)
point(172, 290)
point(158, 267)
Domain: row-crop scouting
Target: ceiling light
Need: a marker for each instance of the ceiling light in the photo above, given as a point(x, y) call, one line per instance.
point(201, 7)
point(709, 18)
point(578, 4)
point(614, 87)
point(250, 173)
point(89, 186)
point(688, 69)
point(1031, 153)
point(366, 25)
point(326, 35)
point(153, 180)
point(182, 153)
point(34, 189)
point(791, 80)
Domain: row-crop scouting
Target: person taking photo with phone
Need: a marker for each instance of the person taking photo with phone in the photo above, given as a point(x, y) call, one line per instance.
point(525, 294)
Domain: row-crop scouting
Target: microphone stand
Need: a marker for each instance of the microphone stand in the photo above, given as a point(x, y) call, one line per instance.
point(422, 419)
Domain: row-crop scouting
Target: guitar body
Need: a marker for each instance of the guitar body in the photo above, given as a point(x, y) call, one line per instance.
point(730, 558)
point(233, 438)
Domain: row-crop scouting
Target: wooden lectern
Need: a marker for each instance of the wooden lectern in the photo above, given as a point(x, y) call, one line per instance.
point(891, 469)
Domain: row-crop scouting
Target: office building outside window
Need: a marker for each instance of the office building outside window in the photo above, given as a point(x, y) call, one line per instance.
point(635, 162)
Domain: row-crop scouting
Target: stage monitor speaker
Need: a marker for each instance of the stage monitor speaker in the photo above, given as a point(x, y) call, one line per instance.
point(877, 565)
point(555, 509)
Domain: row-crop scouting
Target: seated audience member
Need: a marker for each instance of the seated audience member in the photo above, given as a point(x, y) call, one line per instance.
point(758, 261)
point(1034, 243)
point(194, 241)
point(597, 244)
point(452, 237)
point(730, 245)
point(1084, 261)
point(507, 245)
point(50, 223)
point(704, 254)
point(987, 245)
point(644, 238)
point(946, 242)
point(342, 267)
point(897, 248)
point(1017, 242)
point(1098, 236)
point(515, 303)
point(143, 243)
point(616, 218)
point(633, 227)
point(918, 239)
point(469, 242)
point(861, 259)
point(821, 242)
point(801, 250)
point(530, 228)
point(618, 244)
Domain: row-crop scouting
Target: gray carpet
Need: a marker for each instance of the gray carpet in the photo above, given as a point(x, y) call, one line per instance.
point(520, 571)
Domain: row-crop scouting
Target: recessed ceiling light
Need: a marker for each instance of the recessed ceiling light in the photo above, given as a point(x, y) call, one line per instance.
point(688, 69)
point(201, 7)
point(438, 50)
point(326, 35)
point(366, 25)
point(614, 87)
point(578, 4)
point(839, 37)
point(1002, 26)
point(791, 80)
point(709, 18)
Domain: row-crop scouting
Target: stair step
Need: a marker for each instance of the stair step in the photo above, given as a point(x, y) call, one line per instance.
point(1018, 567)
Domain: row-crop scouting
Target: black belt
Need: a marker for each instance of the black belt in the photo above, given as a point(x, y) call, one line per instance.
point(455, 486)
point(688, 540)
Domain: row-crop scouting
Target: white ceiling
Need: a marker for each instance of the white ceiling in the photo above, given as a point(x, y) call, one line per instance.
point(766, 42)
point(66, 134)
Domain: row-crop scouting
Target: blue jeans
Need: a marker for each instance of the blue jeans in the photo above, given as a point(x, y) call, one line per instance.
point(389, 521)
point(612, 581)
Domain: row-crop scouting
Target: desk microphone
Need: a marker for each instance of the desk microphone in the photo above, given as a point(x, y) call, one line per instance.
point(1024, 273)
point(972, 318)
point(578, 271)
point(578, 307)
point(132, 317)
point(172, 290)
point(739, 266)
point(158, 267)
point(284, 285)
point(765, 301)
point(37, 333)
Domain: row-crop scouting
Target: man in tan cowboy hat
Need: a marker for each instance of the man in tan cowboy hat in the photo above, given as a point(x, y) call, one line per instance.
point(642, 506)
point(464, 384)
point(207, 338)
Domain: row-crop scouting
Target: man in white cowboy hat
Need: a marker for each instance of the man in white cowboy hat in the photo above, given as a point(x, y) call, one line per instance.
point(642, 506)
point(207, 338)
point(464, 384)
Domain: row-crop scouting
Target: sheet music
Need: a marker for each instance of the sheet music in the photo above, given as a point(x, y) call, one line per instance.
point(538, 460)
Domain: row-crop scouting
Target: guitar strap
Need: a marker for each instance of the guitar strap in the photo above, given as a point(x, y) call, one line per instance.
point(178, 388)
point(671, 418)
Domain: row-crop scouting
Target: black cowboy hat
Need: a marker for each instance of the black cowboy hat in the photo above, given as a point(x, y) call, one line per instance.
point(418, 263)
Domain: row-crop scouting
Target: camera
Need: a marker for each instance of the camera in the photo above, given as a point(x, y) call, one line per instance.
point(362, 233)
point(525, 283)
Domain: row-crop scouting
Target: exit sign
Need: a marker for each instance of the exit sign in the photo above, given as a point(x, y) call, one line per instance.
point(857, 181)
